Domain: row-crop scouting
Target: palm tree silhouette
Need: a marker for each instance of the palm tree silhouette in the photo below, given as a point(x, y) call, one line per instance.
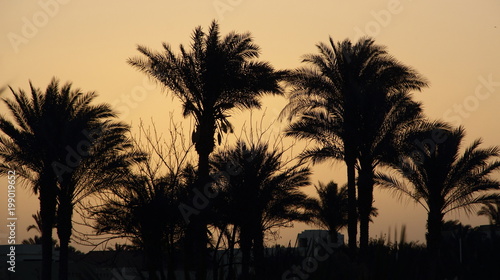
point(213, 77)
point(108, 157)
point(441, 179)
point(492, 211)
point(331, 207)
point(262, 193)
point(38, 141)
point(38, 228)
point(144, 208)
point(344, 103)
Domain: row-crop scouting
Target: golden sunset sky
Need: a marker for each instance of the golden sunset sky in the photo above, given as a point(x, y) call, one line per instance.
point(454, 44)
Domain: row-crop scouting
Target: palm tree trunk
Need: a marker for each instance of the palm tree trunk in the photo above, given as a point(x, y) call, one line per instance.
point(186, 253)
point(245, 247)
point(434, 227)
point(48, 203)
point(170, 257)
point(231, 243)
point(152, 241)
point(215, 271)
point(258, 249)
point(204, 147)
point(365, 201)
point(351, 201)
point(64, 227)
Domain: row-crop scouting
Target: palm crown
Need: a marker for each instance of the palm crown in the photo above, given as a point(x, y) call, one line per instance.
point(214, 76)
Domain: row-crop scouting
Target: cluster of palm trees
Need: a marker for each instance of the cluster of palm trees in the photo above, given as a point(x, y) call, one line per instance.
point(352, 100)
point(66, 149)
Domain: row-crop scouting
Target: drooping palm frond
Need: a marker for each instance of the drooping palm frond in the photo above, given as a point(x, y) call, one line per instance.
point(492, 211)
point(441, 178)
point(353, 100)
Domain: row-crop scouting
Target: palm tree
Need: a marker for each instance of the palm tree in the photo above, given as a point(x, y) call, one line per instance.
point(108, 157)
point(262, 193)
point(36, 240)
point(384, 117)
point(143, 208)
point(213, 77)
point(46, 142)
point(344, 104)
point(441, 179)
point(491, 209)
point(331, 207)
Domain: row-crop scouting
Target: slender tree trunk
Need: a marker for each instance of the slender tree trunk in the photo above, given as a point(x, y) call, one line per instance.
point(434, 228)
point(64, 228)
point(170, 257)
point(232, 241)
point(245, 247)
point(153, 255)
point(258, 249)
point(198, 226)
point(186, 253)
point(365, 201)
point(215, 272)
point(204, 147)
point(48, 201)
point(351, 201)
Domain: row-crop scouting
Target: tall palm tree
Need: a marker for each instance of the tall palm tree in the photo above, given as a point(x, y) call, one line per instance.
point(385, 115)
point(491, 209)
point(441, 179)
point(211, 78)
point(343, 102)
point(261, 194)
point(108, 156)
point(45, 142)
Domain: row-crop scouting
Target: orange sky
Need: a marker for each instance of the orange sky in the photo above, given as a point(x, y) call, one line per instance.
point(454, 44)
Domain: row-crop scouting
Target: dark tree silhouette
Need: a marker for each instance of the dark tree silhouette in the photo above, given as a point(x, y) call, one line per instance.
point(213, 77)
point(142, 205)
point(331, 208)
point(492, 211)
point(350, 100)
point(144, 209)
point(46, 141)
point(261, 193)
point(37, 226)
point(441, 179)
point(108, 156)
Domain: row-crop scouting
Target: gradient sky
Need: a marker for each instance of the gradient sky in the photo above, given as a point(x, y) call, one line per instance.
point(454, 44)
